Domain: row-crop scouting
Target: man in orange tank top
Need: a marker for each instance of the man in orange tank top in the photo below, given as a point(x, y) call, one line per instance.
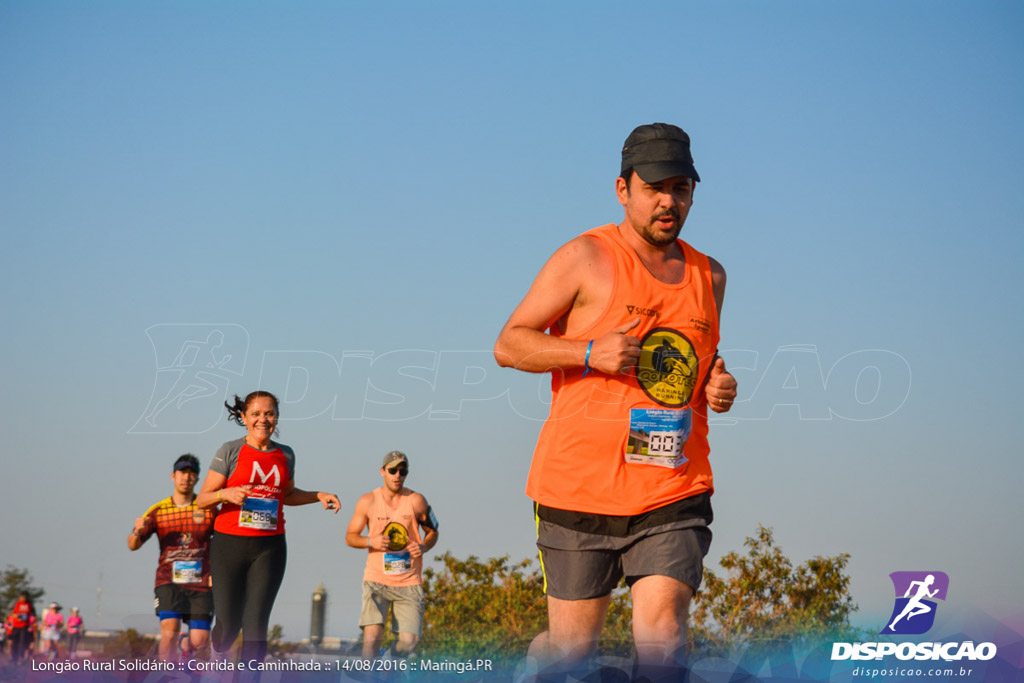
point(400, 527)
point(625, 317)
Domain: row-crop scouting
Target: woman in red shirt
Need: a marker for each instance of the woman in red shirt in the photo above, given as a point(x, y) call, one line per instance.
point(251, 479)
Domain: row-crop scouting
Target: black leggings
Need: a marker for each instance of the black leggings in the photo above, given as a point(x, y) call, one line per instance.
point(247, 571)
point(20, 639)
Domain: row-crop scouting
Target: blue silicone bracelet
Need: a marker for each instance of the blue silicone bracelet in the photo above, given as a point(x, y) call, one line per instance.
point(586, 359)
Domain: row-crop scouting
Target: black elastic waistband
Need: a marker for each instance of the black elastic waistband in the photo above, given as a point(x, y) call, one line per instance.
point(694, 507)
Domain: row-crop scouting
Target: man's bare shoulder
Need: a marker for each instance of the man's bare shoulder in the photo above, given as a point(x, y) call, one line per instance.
point(717, 282)
point(717, 272)
point(419, 502)
point(582, 252)
point(364, 502)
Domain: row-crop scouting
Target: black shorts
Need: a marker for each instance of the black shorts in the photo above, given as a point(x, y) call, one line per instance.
point(176, 602)
point(584, 555)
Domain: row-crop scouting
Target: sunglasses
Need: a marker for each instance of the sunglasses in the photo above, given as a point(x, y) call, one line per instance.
point(398, 470)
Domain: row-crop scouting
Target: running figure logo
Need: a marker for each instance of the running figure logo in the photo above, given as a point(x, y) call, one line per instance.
point(398, 536)
point(914, 612)
point(194, 368)
point(668, 368)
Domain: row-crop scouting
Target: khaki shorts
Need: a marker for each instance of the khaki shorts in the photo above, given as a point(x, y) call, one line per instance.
point(407, 604)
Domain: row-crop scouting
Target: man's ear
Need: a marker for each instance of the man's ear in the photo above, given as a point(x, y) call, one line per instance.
point(621, 190)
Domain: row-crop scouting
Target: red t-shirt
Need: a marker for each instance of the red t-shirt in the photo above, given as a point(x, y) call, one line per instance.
point(269, 473)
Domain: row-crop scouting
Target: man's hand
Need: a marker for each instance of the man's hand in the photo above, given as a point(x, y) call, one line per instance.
point(378, 543)
point(616, 352)
point(414, 548)
point(721, 387)
point(141, 526)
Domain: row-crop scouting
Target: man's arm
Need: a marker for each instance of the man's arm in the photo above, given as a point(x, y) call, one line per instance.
point(721, 386)
point(569, 283)
point(140, 533)
point(717, 283)
point(360, 522)
point(421, 509)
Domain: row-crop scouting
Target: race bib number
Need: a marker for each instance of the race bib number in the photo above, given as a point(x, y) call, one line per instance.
point(397, 563)
point(258, 513)
point(188, 571)
point(657, 436)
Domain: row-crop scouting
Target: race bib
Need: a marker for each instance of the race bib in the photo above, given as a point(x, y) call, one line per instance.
point(188, 571)
point(397, 563)
point(259, 513)
point(657, 436)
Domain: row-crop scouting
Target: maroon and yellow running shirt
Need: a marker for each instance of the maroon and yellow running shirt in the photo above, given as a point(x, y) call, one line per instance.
point(184, 535)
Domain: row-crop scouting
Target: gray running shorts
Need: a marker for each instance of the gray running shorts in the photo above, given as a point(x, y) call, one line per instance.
point(579, 565)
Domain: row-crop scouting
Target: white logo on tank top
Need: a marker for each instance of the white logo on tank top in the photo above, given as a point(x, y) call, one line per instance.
point(256, 469)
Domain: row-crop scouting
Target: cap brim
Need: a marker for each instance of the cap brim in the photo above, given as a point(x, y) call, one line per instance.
point(660, 170)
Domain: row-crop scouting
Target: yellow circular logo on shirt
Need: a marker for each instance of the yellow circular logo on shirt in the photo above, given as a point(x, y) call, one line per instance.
point(398, 536)
point(668, 367)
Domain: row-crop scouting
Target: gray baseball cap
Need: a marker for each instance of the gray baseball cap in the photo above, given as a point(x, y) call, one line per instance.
point(395, 456)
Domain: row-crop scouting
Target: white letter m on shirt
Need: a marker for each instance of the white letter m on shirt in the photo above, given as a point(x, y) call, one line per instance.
point(256, 469)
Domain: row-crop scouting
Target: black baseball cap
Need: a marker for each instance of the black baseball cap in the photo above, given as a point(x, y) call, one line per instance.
point(187, 462)
point(657, 151)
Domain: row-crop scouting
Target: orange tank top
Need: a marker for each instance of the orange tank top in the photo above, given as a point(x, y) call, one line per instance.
point(394, 566)
point(627, 444)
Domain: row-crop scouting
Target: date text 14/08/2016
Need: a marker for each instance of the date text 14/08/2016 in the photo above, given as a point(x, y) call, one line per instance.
point(458, 666)
point(431, 665)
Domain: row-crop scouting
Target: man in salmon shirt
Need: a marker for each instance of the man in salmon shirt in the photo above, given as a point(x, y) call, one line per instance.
point(625, 317)
point(400, 527)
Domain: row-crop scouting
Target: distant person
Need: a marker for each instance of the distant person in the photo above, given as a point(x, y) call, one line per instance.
point(33, 633)
point(21, 621)
point(75, 627)
point(182, 584)
point(625, 317)
point(400, 527)
point(53, 624)
point(251, 479)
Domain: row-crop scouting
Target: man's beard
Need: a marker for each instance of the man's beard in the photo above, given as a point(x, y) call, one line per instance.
point(658, 237)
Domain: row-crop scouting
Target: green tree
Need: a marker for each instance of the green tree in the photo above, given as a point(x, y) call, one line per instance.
point(276, 644)
point(129, 644)
point(764, 600)
point(493, 608)
point(482, 608)
point(13, 582)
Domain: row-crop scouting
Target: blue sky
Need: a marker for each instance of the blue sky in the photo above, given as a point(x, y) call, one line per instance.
point(358, 196)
